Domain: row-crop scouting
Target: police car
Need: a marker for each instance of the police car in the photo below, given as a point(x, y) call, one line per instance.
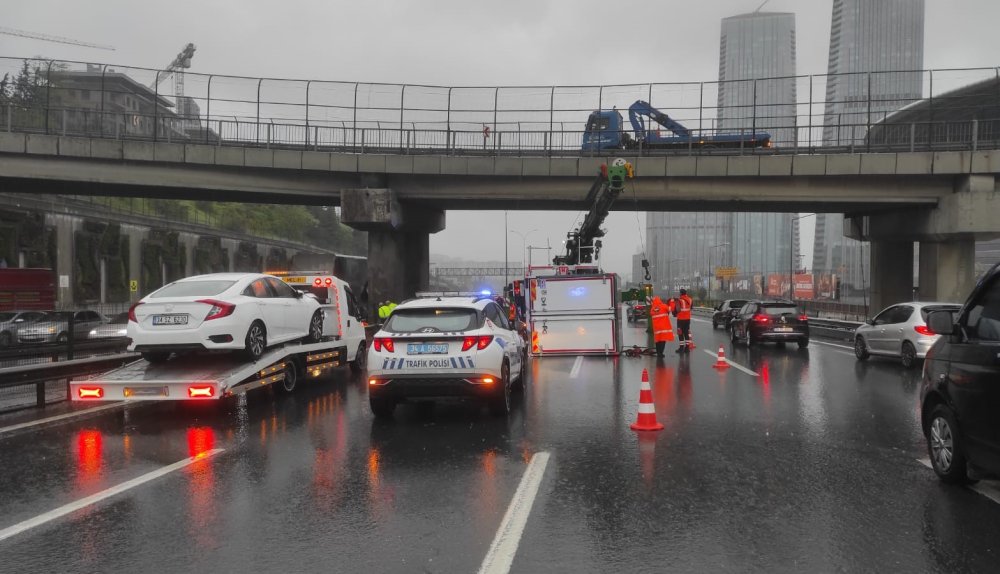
point(440, 346)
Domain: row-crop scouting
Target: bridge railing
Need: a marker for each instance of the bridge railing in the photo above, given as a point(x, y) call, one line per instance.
point(898, 110)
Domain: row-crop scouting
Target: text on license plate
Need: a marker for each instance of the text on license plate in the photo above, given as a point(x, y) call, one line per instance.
point(170, 319)
point(784, 329)
point(426, 349)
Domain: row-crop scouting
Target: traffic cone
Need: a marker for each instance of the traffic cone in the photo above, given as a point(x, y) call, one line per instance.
point(691, 346)
point(646, 421)
point(720, 361)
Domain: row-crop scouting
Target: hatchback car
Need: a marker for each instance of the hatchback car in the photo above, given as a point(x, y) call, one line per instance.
point(775, 321)
point(445, 347)
point(900, 331)
point(960, 395)
point(637, 311)
point(245, 312)
point(726, 311)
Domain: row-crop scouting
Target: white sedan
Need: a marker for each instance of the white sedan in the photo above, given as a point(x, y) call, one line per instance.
point(223, 311)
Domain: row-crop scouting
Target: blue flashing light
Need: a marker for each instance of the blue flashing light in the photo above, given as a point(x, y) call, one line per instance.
point(578, 292)
point(485, 292)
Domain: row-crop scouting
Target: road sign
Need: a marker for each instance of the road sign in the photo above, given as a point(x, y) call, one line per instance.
point(133, 286)
point(726, 272)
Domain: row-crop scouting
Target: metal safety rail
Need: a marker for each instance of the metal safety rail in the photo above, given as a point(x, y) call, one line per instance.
point(41, 374)
point(827, 328)
point(119, 102)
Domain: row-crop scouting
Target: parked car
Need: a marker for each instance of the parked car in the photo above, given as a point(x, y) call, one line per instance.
point(900, 331)
point(115, 328)
point(776, 321)
point(637, 311)
point(245, 312)
point(54, 327)
point(960, 396)
point(726, 311)
point(12, 321)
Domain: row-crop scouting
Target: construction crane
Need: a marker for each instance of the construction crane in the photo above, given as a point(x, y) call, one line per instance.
point(583, 244)
point(176, 69)
point(56, 39)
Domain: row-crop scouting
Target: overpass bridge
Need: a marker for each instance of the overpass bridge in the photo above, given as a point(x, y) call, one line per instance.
point(395, 168)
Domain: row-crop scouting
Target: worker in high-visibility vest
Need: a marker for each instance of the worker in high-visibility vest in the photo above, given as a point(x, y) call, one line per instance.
point(681, 308)
point(662, 331)
point(383, 311)
point(392, 306)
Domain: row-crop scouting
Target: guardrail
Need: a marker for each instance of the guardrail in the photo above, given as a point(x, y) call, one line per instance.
point(64, 370)
point(827, 328)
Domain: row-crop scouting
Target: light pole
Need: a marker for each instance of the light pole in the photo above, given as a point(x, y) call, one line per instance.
point(506, 279)
point(791, 254)
point(711, 275)
point(524, 243)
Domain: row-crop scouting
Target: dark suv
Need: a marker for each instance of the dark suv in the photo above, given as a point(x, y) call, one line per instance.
point(726, 311)
point(777, 321)
point(960, 397)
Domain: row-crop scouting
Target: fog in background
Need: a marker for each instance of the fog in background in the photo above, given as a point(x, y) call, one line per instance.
point(452, 42)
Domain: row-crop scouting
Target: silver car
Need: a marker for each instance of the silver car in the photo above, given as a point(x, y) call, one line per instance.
point(115, 328)
point(54, 327)
point(900, 331)
point(13, 321)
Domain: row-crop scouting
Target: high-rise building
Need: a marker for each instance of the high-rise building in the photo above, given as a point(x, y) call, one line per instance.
point(875, 46)
point(756, 75)
point(684, 247)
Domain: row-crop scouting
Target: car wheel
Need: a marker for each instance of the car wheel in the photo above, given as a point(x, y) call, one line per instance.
point(62, 338)
point(908, 355)
point(732, 335)
point(522, 379)
point(381, 408)
point(500, 403)
point(256, 341)
point(751, 341)
point(360, 359)
point(155, 356)
point(315, 327)
point(861, 349)
point(944, 446)
point(291, 377)
point(803, 343)
point(5, 339)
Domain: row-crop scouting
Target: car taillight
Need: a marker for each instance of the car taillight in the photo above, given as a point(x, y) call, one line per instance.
point(219, 309)
point(383, 342)
point(201, 391)
point(924, 330)
point(328, 281)
point(318, 282)
point(131, 312)
point(760, 319)
point(480, 342)
point(91, 392)
point(803, 317)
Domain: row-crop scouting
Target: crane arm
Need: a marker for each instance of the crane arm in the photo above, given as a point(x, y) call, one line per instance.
point(580, 243)
point(181, 61)
point(56, 39)
point(641, 109)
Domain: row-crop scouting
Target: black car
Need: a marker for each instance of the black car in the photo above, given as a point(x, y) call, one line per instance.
point(777, 321)
point(960, 396)
point(726, 311)
point(637, 311)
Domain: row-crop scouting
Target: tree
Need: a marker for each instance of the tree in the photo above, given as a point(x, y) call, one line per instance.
point(4, 88)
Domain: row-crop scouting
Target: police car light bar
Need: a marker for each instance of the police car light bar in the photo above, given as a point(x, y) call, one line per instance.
point(428, 294)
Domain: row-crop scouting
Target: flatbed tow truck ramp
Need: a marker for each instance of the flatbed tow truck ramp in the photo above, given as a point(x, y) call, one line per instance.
point(210, 376)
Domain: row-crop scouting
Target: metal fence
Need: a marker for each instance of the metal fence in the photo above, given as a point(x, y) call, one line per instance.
point(802, 114)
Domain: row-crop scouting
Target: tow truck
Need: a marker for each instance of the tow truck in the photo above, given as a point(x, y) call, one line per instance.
point(606, 131)
point(206, 377)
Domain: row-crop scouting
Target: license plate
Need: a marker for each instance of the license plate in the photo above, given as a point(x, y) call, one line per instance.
point(783, 329)
point(425, 349)
point(295, 279)
point(170, 319)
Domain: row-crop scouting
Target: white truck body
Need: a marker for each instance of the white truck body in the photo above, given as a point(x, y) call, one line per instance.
point(574, 314)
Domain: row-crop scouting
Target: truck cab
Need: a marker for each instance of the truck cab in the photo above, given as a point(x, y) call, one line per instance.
point(343, 318)
point(605, 130)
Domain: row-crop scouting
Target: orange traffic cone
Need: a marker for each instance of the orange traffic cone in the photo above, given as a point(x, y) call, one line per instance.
point(646, 420)
point(720, 361)
point(691, 342)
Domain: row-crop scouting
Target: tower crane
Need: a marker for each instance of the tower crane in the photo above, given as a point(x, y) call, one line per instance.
point(176, 69)
point(48, 38)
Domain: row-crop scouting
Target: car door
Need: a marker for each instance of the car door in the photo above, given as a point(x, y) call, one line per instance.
point(876, 336)
point(355, 329)
point(295, 311)
point(508, 337)
point(894, 331)
point(743, 320)
point(974, 373)
point(267, 309)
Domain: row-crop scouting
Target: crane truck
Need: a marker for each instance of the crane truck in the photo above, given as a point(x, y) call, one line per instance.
point(606, 131)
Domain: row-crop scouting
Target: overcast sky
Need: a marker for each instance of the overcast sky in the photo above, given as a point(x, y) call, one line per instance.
point(465, 42)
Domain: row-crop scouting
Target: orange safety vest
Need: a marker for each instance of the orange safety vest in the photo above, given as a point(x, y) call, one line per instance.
point(662, 331)
point(683, 305)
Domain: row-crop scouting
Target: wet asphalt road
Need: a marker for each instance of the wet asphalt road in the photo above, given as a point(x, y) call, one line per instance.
point(812, 466)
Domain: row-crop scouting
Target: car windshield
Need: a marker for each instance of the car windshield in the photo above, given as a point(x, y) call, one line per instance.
point(440, 320)
point(779, 309)
point(925, 311)
point(193, 289)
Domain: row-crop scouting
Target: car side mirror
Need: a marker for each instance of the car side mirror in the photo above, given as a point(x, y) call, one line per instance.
point(298, 294)
point(941, 323)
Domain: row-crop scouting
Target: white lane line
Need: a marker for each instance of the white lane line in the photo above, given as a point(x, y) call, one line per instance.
point(697, 320)
point(989, 489)
point(831, 344)
point(501, 554)
point(731, 363)
point(576, 367)
point(63, 417)
point(95, 498)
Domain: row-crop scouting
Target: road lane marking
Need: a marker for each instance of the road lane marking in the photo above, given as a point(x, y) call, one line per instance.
point(990, 489)
point(731, 363)
point(576, 367)
point(63, 417)
point(832, 345)
point(102, 495)
point(500, 556)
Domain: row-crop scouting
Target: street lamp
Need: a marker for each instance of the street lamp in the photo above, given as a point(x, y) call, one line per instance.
point(791, 254)
point(524, 243)
point(711, 275)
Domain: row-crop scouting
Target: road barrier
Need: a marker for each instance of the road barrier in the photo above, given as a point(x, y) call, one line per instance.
point(40, 375)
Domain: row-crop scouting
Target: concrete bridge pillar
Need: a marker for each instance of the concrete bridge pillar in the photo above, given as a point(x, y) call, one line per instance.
point(398, 242)
point(947, 270)
point(892, 273)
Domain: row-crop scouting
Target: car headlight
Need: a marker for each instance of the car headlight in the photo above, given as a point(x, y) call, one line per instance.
point(122, 332)
point(51, 330)
point(93, 332)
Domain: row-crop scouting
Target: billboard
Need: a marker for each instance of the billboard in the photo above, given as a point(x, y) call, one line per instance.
point(826, 286)
point(804, 288)
point(777, 285)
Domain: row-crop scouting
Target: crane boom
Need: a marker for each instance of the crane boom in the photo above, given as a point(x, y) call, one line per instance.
point(581, 244)
point(181, 61)
point(640, 108)
point(49, 38)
